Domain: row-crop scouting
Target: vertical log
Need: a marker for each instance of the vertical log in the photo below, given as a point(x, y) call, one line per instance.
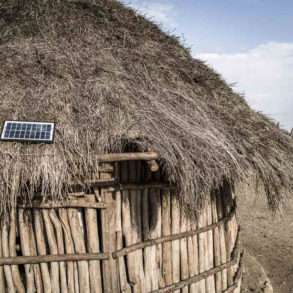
point(146, 234)
point(2, 278)
point(194, 260)
point(72, 271)
point(183, 250)
point(93, 247)
point(175, 243)
point(127, 231)
point(155, 232)
point(235, 234)
point(12, 249)
point(25, 247)
point(60, 245)
point(136, 221)
point(202, 245)
point(36, 267)
point(229, 230)
point(166, 230)
point(210, 259)
point(121, 260)
point(78, 233)
point(109, 237)
point(219, 202)
point(5, 251)
point(217, 245)
point(52, 243)
point(41, 246)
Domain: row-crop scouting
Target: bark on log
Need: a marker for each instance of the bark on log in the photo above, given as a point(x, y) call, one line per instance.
point(12, 249)
point(93, 245)
point(25, 247)
point(109, 237)
point(78, 233)
point(2, 278)
point(175, 243)
point(147, 156)
point(5, 251)
point(52, 243)
point(60, 244)
point(41, 246)
point(166, 230)
point(72, 270)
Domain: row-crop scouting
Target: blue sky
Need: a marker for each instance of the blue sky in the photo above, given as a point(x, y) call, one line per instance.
point(250, 42)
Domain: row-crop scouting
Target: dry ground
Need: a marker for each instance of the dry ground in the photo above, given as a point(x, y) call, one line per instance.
point(269, 239)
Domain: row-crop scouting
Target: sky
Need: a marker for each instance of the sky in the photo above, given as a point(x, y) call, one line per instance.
point(250, 42)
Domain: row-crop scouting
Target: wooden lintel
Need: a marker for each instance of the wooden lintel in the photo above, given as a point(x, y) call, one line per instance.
point(145, 156)
point(22, 260)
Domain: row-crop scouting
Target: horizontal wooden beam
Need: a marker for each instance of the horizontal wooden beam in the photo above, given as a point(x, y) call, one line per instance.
point(78, 203)
point(145, 156)
point(22, 260)
point(196, 278)
point(202, 276)
point(154, 185)
point(93, 184)
point(168, 238)
point(121, 187)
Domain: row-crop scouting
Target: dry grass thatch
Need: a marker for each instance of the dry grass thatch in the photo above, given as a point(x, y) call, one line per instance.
point(104, 73)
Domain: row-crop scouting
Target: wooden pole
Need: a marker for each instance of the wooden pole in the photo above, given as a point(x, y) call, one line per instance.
point(202, 245)
point(217, 245)
point(183, 250)
point(109, 236)
point(223, 250)
point(41, 246)
point(33, 248)
point(210, 260)
point(93, 245)
point(78, 233)
point(52, 243)
point(147, 156)
point(5, 251)
point(146, 234)
point(194, 260)
point(127, 231)
point(25, 247)
point(60, 245)
point(2, 277)
point(136, 220)
point(12, 249)
point(125, 287)
point(72, 270)
point(166, 230)
point(175, 243)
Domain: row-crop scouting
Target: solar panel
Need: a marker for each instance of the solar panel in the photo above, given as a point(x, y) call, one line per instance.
point(42, 132)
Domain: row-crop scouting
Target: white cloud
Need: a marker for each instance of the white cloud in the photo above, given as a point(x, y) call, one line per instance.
point(264, 74)
point(161, 12)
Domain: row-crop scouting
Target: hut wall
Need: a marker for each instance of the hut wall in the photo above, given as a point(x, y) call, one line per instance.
point(127, 233)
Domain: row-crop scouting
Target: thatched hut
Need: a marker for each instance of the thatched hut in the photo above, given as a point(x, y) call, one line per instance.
point(136, 192)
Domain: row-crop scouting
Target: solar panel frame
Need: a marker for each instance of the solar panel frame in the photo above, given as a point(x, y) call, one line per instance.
point(28, 131)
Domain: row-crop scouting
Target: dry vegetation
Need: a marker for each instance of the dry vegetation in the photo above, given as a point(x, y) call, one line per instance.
point(107, 77)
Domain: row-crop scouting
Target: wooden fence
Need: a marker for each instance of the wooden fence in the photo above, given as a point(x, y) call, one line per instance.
point(127, 233)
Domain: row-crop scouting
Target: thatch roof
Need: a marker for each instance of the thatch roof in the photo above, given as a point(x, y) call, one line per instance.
point(107, 76)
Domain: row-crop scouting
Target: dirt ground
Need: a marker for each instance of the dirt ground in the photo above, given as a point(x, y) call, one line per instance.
point(269, 239)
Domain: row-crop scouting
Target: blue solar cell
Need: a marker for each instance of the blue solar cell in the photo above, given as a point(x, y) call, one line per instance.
point(28, 131)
